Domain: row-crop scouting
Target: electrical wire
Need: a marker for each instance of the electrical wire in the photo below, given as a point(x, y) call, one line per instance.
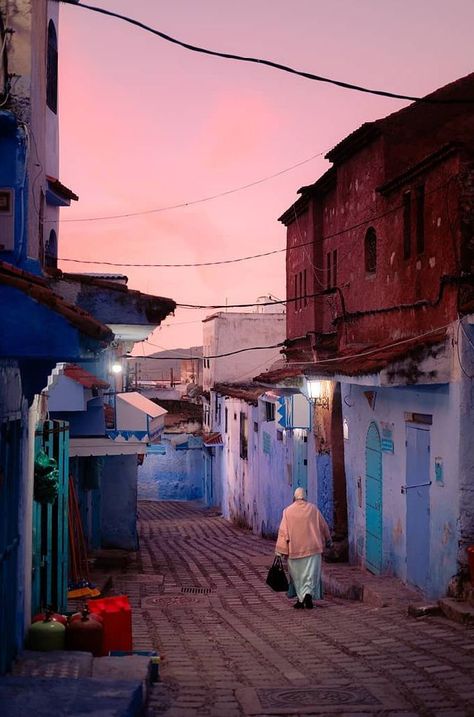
point(250, 257)
point(216, 356)
point(181, 205)
point(268, 63)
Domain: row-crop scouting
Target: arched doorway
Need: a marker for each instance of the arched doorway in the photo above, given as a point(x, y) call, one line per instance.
point(373, 500)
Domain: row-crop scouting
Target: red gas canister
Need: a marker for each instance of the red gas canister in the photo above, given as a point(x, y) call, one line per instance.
point(85, 632)
point(56, 616)
point(117, 616)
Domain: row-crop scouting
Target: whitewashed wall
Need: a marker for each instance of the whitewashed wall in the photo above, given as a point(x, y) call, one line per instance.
point(442, 402)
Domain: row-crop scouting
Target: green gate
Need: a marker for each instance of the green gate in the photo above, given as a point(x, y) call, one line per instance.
point(50, 524)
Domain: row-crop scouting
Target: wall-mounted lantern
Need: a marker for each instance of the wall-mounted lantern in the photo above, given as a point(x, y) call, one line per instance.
point(315, 393)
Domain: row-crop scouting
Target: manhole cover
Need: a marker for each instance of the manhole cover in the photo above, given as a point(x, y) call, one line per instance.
point(317, 700)
point(315, 696)
point(197, 591)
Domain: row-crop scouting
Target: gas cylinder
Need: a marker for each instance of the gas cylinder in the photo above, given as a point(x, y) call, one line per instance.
point(46, 635)
point(85, 633)
point(40, 617)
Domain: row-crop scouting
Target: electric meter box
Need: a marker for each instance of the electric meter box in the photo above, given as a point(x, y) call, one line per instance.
point(7, 219)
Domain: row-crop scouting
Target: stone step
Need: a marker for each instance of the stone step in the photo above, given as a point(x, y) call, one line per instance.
point(457, 610)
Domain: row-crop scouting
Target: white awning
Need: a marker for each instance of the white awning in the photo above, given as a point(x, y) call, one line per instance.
point(142, 404)
point(103, 446)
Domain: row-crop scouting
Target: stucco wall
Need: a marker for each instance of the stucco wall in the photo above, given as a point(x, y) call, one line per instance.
point(227, 332)
point(442, 402)
point(174, 475)
point(119, 502)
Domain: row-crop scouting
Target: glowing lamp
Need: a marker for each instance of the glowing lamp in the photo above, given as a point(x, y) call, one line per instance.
point(315, 393)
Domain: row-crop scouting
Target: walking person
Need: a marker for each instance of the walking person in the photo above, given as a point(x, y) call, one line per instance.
point(302, 536)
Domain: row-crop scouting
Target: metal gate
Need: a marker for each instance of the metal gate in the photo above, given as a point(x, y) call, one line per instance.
point(10, 442)
point(373, 500)
point(50, 524)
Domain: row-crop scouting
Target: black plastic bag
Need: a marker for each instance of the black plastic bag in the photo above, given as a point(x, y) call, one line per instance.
point(276, 577)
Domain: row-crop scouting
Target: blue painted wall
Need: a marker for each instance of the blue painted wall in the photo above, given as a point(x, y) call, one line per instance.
point(174, 474)
point(119, 502)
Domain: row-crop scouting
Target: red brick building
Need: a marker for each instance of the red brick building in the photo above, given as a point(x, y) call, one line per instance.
point(380, 283)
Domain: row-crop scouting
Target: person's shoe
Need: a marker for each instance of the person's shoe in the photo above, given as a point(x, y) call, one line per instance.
point(308, 602)
point(298, 605)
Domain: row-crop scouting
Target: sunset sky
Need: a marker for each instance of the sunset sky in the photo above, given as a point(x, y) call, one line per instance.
point(145, 124)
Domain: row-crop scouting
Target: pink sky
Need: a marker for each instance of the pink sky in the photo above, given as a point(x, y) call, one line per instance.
point(146, 124)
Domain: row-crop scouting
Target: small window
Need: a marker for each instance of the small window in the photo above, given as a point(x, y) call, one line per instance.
point(296, 291)
point(52, 69)
point(244, 439)
point(226, 420)
point(269, 411)
point(370, 248)
point(420, 219)
point(255, 427)
point(407, 225)
point(334, 267)
point(305, 289)
point(279, 435)
point(51, 251)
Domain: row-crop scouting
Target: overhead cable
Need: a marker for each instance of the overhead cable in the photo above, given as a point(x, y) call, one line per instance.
point(362, 223)
point(181, 205)
point(215, 356)
point(268, 63)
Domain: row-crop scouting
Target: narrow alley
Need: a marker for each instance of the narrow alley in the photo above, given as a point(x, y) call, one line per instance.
point(230, 646)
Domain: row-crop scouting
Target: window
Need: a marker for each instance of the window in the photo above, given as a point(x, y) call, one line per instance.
point(334, 267)
point(407, 225)
point(226, 420)
point(255, 427)
point(420, 219)
point(305, 290)
point(328, 270)
point(296, 291)
point(217, 413)
point(279, 435)
point(370, 251)
point(301, 289)
point(52, 69)
point(269, 411)
point(51, 251)
point(243, 436)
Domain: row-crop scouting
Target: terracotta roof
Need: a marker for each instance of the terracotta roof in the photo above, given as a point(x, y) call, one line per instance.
point(37, 288)
point(364, 361)
point(85, 378)
point(156, 307)
point(249, 392)
point(61, 189)
point(211, 439)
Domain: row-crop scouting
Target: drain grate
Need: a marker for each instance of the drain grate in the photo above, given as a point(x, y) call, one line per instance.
point(191, 590)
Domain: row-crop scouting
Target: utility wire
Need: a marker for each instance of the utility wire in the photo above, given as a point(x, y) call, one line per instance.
point(156, 210)
point(201, 358)
point(362, 223)
point(268, 63)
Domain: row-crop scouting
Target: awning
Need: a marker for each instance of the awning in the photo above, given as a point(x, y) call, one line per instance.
point(143, 404)
point(57, 194)
point(212, 439)
point(103, 446)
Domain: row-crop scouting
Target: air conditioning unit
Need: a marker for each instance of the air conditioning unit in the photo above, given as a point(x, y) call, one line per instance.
point(7, 219)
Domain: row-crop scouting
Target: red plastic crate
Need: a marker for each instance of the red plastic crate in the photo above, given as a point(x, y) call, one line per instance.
point(117, 617)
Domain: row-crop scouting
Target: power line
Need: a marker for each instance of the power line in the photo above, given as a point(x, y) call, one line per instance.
point(247, 306)
point(201, 358)
point(268, 63)
point(236, 260)
point(156, 210)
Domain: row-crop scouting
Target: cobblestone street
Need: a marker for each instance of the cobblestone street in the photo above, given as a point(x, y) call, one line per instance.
point(230, 646)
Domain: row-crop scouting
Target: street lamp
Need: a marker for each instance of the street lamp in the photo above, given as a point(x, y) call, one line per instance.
point(116, 368)
point(315, 393)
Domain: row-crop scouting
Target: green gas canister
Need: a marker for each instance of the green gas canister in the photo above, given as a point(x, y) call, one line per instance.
point(46, 635)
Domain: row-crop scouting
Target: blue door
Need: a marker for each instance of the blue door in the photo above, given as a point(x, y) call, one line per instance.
point(50, 525)
point(418, 506)
point(373, 500)
point(300, 459)
point(10, 442)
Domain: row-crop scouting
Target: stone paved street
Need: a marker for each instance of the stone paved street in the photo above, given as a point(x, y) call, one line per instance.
point(230, 646)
